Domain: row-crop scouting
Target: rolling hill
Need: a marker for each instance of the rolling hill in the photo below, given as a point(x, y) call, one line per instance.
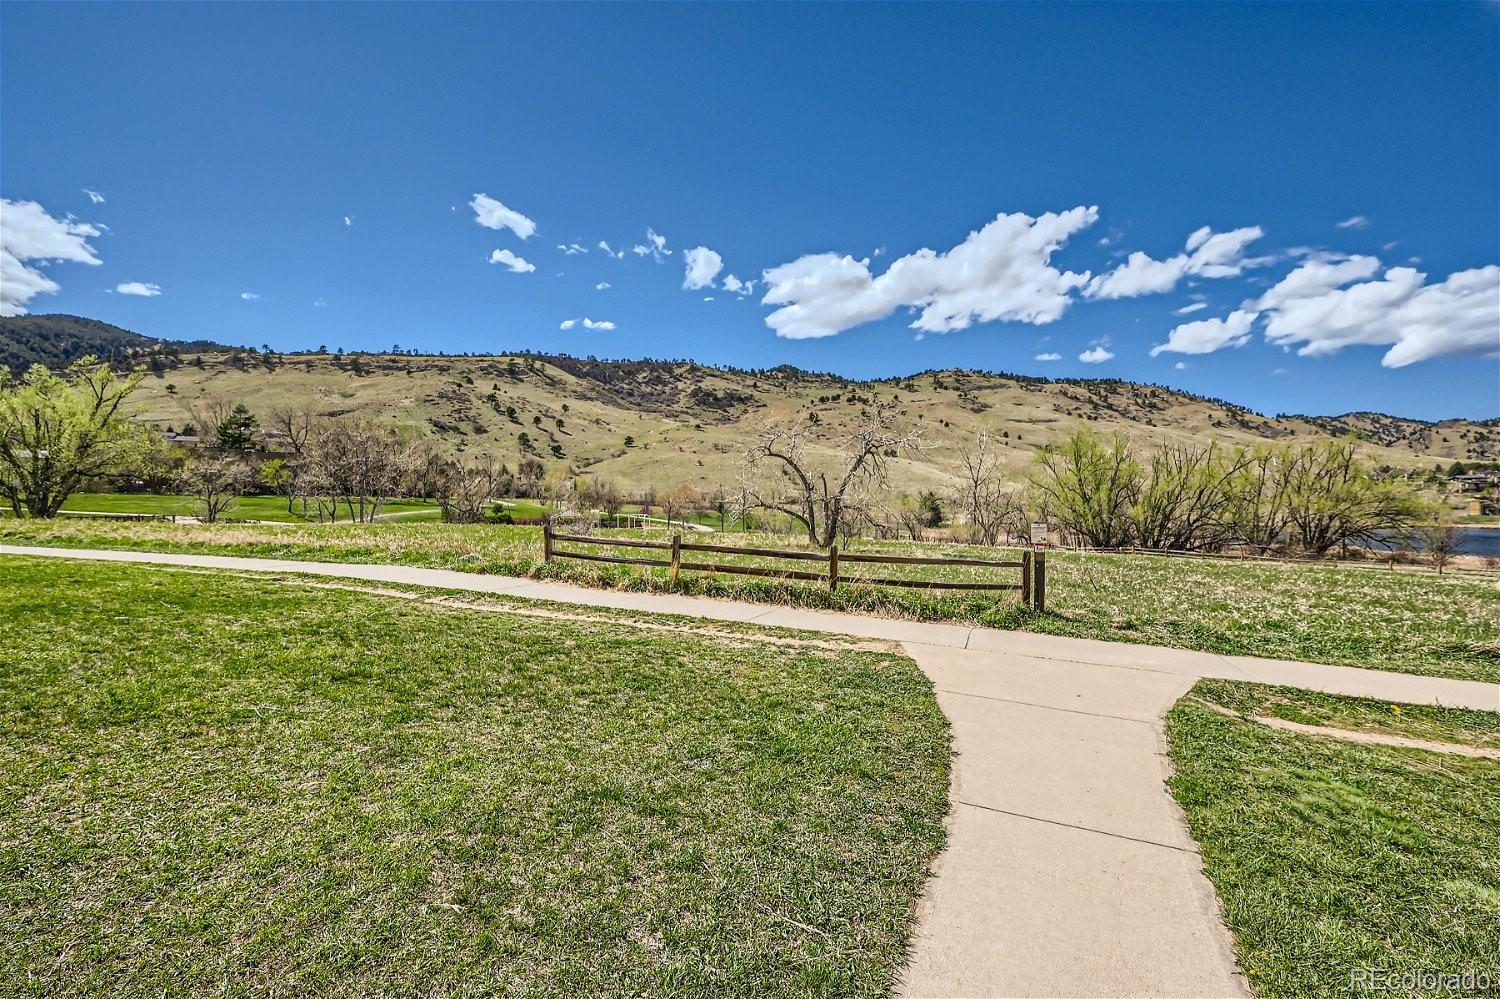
point(664, 423)
point(56, 341)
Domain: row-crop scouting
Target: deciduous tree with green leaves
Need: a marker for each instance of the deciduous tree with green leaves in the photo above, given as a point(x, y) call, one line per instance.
point(59, 430)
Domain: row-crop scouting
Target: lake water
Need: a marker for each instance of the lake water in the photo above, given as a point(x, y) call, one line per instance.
point(1483, 541)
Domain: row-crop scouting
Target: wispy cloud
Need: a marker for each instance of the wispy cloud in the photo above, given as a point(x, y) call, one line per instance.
point(249, 296)
point(142, 288)
point(601, 285)
point(655, 247)
point(94, 197)
point(1353, 222)
point(1048, 357)
point(572, 248)
point(586, 323)
point(1190, 308)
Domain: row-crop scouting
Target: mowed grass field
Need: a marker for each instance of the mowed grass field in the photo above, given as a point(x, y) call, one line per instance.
point(1412, 622)
point(271, 508)
point(1331, 856)
point(213, 784)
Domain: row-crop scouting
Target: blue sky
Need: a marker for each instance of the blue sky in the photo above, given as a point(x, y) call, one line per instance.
point(816, 151)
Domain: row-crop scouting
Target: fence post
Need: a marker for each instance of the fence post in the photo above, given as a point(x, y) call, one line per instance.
point(547, 540)
point(1026, 578)
point(833, 567)
point(676, 558)
point(1039, 584)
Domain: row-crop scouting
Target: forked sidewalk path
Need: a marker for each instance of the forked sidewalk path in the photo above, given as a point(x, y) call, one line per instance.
point(1069, 869)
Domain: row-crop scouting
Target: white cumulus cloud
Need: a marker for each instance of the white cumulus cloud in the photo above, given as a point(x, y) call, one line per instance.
point(249, 296)
point(517, 265)
point(1418, 321)
point(141, 288)
point(1207, 254)
point(601, 285)
point(1096, 355)
point(28, 237)
point(1208, 335)
point(1000, 272)
point(493, 215)
point(348, 220)
point(1330, 302)
point(586, 323)
point(1048, 357)
point(700, 266)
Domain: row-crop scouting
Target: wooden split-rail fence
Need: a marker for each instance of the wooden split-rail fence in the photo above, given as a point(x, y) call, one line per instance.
point(831, 569)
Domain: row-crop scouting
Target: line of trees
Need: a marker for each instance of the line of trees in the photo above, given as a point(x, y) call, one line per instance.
point(1104, 490)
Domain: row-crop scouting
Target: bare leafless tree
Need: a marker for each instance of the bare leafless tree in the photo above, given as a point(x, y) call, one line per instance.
point(608, 497)
point(990, 502)
point(217, 480)
point(358, 464)
point(678, 503)
point(815, 490)
point(465, 489)
point(1440, 541)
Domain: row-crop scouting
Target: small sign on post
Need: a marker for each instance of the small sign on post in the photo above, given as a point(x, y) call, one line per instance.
point(1038, 534)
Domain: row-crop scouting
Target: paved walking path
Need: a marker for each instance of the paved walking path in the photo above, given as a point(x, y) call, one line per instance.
point(1069, 869)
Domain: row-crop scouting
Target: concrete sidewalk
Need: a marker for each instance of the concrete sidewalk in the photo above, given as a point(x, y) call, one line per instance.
point(1069, 869)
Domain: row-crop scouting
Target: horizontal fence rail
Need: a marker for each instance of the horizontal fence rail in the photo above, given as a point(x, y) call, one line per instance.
point(1032, 564)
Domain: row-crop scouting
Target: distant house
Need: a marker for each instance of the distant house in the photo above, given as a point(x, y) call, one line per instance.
point(1475, 482)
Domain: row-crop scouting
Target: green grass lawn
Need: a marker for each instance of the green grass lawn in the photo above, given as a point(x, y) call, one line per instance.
point(1330, 855)
point(213, 784)
point(272, 508)
point(1412, 622)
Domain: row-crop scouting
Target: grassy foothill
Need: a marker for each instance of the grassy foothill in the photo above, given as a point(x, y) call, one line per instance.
point(1410, 622)
point(1330, 855)
point(214, 784)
